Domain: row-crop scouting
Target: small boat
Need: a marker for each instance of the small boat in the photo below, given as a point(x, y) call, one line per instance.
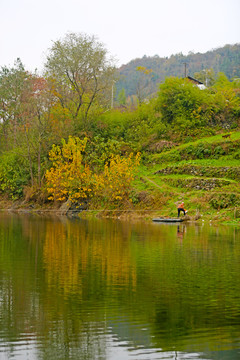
point(166, 220)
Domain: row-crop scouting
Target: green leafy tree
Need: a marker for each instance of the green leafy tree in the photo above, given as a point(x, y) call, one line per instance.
point(81, 73)
point(226, 100)
point(181, 103)
point(122, 97)
point(25, 110)
point(12, 86)
point(17, 90)
point(36, 124)
point(143, 83)
point(14, 174)
point(206, 76)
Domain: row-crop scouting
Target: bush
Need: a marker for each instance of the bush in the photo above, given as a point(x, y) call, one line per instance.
point(181, 103)
point(14, 174)
point(219, 150)
point(236, 155)
point(223, 201)
point(69, 177)
point(172, 156)
point(185, 106)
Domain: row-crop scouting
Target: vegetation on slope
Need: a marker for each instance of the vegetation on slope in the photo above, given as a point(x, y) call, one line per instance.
point(62, 142)
point(203, 66)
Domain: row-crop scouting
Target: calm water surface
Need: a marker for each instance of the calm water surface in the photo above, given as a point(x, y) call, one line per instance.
point(111, 290)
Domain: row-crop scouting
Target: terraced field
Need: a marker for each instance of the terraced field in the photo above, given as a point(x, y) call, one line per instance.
point(205, 174)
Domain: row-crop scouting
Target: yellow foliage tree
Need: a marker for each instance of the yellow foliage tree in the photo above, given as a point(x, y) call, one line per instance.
point(114, 184)
point(69, 178)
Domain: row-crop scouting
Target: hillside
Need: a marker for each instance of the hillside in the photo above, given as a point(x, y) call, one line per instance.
point(225, 59)
point(205, 174)
point(63, 145)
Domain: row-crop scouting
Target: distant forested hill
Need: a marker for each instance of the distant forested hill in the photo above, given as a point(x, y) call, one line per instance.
point(133, 78)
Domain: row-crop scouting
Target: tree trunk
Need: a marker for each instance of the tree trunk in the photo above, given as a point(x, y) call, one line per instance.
point(29, 158)
point(39, 164)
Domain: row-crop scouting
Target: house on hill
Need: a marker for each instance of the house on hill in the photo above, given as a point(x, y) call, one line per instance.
point(198, 83)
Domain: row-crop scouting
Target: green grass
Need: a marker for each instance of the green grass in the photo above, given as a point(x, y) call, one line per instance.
point(234, 222)
point(224, 161)
point(214, 139)
point(158, 185)
point(208, 150)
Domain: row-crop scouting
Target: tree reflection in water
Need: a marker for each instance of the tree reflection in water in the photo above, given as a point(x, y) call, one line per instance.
point(92, 289)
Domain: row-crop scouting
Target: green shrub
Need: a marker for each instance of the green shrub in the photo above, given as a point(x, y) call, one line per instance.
point(173, 156)
point(188, 139)
point(223, 201)
point(236, 155)
point(219, 150)
point(14, 174)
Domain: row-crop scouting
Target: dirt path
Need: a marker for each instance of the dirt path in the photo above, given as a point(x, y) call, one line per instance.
point(151, 181)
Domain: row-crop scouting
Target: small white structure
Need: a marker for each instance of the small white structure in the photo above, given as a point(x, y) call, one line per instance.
point(201, 86)
point(198, 83)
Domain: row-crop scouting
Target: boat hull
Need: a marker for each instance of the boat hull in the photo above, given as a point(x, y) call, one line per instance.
point(167, 220)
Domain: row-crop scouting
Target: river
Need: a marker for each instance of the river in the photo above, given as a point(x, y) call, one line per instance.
point(117, 290)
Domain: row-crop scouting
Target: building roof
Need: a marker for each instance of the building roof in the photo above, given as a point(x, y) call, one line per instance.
point(195, 80)
point(198, 83)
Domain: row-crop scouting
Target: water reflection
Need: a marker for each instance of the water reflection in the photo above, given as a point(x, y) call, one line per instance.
point(100, 289)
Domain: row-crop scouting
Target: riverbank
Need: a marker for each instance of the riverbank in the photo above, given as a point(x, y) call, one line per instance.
point(203, 173)
point(228, 216)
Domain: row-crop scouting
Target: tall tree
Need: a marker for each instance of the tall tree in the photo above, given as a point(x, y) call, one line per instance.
point(36, 124)
point(12, 84)
point(207, 76)
point(143, 83)
point(122, 97)
point(25, 109)
point(81, 73)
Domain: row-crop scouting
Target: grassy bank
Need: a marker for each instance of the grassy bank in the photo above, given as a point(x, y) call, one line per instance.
point(205, 174)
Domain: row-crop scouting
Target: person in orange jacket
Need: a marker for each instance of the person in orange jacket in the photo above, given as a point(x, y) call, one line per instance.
point(181, 208)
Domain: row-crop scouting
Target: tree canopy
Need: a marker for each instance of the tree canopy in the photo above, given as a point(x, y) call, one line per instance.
point(80, 72)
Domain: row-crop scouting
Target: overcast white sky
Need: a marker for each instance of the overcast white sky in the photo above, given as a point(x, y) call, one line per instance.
point(128, 28)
